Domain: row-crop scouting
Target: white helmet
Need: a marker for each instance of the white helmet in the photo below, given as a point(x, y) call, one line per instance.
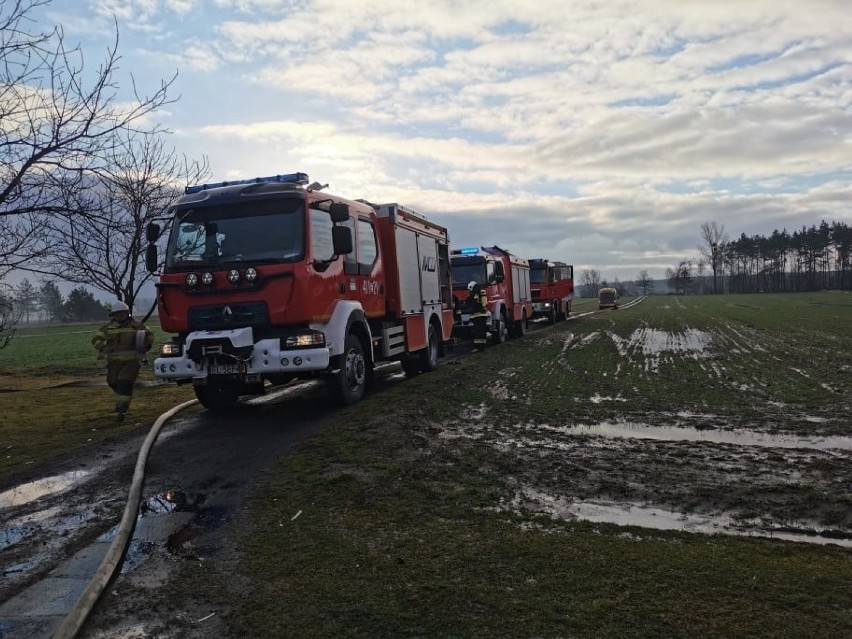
point(471, 285)
point(119, 307)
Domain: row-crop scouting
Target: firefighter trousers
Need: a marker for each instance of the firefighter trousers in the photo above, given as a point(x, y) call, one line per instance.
point(120, 378)
point(479, 330)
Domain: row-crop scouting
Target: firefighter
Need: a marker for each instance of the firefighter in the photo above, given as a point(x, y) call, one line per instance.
point(123, 342)
point(477, 301)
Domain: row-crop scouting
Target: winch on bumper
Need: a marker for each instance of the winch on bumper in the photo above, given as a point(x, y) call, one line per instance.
point(234, 352)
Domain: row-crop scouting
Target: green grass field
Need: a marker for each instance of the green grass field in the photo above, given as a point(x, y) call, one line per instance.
point(43, 419)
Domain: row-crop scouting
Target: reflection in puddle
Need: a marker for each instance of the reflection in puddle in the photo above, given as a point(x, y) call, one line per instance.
point(25, 493)
point(738, 437)
point(628, 514)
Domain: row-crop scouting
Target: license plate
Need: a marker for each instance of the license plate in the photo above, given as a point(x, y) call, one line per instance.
point(225, 369)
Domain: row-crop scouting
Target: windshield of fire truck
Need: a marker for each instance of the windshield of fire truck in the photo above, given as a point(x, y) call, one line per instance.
point(251, 232)
point(538, 275)
point(468, 269)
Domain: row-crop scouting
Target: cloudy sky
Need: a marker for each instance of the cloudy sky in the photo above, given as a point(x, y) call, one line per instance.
point(600, 133)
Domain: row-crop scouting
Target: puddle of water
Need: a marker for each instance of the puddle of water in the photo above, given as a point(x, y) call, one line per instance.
point(18, 569)
point(629, 514)
point(597, 399)
point(737, 437)
point(26, 493)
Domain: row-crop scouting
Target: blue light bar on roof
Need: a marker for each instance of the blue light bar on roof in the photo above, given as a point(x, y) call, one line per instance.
point(285, 178)
point(469, 251)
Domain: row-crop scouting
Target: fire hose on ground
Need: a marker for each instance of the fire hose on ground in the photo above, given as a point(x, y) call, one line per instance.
point(75, 619)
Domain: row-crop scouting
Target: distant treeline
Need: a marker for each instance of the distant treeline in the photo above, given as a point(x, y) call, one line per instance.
point(47, 304)
point(819, 257)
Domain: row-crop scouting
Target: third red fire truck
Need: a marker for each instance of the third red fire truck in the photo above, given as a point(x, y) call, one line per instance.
point(552, 289)
point(506, 280)
point(269, 279)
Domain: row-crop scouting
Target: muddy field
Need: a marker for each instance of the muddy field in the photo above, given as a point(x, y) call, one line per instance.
point(660, 417)
point(723, 450)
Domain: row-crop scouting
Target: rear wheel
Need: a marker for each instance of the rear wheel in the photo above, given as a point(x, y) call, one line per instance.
point(502, 330)
point(429, 355)
point(214, 397)
point(347, 385)
point(521, 326)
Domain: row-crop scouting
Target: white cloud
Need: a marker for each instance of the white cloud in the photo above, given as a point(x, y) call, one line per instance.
point(607, 130)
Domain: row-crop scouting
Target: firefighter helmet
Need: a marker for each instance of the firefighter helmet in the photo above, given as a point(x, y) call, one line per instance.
point(471, 285)
point(119, 307)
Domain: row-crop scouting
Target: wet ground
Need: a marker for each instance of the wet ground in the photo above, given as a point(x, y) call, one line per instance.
point(678, 471)
point(672, 470)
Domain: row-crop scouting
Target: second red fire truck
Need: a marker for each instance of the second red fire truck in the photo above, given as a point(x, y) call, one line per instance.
point(506, 280)
point(552, 289)
point(269, 279)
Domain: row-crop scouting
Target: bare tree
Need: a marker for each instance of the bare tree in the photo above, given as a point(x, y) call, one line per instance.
point(713, 239)
point(591, 282)
point(680, 277)
point(643, 281)
point(58, 119)
point(9, 316)
point(101, 241)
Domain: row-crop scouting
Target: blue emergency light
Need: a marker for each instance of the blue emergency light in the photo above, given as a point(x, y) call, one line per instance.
point(471, 250)
point(285, 178)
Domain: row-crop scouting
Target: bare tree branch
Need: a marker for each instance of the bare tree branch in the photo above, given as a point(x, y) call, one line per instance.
point(100, 241)
point(55, 124)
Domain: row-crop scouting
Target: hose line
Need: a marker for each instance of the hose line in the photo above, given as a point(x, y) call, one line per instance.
point(75, 619)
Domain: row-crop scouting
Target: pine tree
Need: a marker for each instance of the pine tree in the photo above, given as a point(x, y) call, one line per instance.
point(26, 298)
point(50, 300)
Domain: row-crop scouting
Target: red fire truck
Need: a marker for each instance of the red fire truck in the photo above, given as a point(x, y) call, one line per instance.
point(506, 280)
point(269, 279)
point(552, 289)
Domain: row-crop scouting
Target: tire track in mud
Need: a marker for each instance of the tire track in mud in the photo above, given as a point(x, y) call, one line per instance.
point(675, 470)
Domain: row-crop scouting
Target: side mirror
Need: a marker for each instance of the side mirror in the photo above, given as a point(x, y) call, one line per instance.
point(152, 232)
point(151, 258)
point(339, 212)
point(341, 239)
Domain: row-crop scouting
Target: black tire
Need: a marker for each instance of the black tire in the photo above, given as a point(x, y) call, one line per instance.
point(521, 326)
point(347, 385)
point(217, 398)
point(429, 355)
point(502, 330)
point(411, 366)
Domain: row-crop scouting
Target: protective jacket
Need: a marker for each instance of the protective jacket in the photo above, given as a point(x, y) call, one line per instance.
point(477, 301)
point(118, 341)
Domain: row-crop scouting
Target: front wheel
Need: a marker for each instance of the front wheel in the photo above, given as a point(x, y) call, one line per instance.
point(217, 397)
point(347, 384)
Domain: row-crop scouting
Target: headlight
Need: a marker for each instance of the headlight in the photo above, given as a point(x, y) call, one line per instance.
point(315, 338)
point(251, 274)
point(233, 276)
point(207, 279)
point(170, 349)
point(191, 280)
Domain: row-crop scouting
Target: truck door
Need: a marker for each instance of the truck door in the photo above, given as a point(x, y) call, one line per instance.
point(369, 274)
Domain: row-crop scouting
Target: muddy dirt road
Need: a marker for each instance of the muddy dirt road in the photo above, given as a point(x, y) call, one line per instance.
point(55, 531)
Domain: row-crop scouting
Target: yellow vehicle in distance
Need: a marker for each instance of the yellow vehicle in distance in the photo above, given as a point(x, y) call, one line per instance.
point(607, 298)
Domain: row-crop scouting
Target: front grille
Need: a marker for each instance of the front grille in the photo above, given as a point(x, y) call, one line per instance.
point(225, 316)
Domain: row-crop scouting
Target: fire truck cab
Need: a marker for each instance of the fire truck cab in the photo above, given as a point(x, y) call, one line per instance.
point(552, 289)
point(505, 279)
point(268, 279)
